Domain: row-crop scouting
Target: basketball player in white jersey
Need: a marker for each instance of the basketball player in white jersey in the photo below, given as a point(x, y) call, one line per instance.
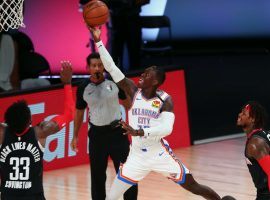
point(151, 118)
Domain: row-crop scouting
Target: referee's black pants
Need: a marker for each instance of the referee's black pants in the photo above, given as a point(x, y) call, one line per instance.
point(105, 141)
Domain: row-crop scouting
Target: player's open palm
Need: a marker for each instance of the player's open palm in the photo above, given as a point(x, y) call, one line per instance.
point(66, 72)
point(96, 32)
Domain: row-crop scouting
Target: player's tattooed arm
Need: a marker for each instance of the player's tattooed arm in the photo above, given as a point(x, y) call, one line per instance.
point(257, 148)
point(44, 129)
point(47, 128)
point(128, 86)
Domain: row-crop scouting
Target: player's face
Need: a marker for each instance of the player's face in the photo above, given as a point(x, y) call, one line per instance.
point(96, 68)
point(244, 119)
point(147, 78)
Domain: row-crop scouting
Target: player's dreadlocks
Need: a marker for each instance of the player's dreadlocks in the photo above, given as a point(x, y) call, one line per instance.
point(258, 112)
point(18, 116)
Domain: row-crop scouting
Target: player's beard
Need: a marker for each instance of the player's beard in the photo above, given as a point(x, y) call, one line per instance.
point(98, 75)
point(242, 126)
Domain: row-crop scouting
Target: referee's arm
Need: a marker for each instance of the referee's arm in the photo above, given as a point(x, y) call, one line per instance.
point(78, 119)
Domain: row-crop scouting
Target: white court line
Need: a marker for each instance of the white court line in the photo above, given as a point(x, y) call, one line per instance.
point(215, 139)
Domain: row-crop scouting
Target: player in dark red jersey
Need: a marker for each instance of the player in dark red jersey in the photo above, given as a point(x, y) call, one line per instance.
point(252, 119)
point(22, 146)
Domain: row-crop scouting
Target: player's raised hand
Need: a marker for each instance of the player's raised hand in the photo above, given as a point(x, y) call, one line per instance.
point(96, 32)
point(66, 72)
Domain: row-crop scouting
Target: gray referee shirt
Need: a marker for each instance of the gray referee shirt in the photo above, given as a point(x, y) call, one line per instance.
point(102, 100)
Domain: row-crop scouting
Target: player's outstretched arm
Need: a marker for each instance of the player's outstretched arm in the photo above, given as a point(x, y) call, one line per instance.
point(119, 78)
point(47, 128)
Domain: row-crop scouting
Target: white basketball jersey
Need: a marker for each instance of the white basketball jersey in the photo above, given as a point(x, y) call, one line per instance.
point(144, 113)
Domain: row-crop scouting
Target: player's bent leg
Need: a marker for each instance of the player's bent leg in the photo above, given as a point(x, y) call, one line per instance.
point(191, 185)
point(118, 188)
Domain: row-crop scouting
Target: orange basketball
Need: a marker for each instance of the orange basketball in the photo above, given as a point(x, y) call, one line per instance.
point(95, 13)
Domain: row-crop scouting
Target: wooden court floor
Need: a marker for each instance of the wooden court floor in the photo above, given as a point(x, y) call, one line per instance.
point(220, 165)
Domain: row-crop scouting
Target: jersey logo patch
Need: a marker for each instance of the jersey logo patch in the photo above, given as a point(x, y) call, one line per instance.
point(160, 154)
point(109, 87)
point(156, 104)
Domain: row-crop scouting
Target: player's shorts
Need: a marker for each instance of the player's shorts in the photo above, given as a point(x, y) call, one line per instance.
point(158, 158)
point(263, 195)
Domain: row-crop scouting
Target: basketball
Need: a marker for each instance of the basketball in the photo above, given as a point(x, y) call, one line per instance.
point(95, 13)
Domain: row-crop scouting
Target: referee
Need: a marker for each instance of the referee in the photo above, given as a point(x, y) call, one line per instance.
point(105, 136)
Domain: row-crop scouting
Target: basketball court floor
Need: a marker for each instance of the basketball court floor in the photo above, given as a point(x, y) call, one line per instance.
point(220, 165)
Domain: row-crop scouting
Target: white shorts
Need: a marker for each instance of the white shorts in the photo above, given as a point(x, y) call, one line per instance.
point(158, 158)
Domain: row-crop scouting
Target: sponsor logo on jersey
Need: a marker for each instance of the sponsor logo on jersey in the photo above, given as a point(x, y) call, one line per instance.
point(160, 154)
point(156, 104)
point(109, 87)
